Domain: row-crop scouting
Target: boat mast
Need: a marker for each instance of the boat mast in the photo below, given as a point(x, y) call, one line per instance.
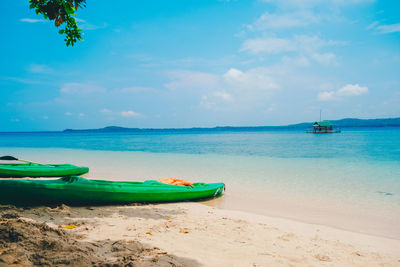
point(320, 114)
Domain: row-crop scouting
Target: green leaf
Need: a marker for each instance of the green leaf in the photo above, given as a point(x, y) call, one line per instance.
point(62, 10)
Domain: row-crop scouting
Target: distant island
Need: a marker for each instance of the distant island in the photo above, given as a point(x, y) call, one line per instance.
point(348, 122)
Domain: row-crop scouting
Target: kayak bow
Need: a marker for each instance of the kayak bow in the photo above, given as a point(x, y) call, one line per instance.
point(40, 170)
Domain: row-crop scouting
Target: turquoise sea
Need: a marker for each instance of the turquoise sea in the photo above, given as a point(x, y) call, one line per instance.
point(349, 180)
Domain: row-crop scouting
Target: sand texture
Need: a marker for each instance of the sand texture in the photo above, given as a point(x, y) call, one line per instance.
point(182, 234)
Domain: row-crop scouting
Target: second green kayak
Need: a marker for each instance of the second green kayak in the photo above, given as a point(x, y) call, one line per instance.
point(76, 190)
point(39, 170)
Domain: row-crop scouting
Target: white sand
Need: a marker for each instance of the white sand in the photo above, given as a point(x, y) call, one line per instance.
point(215, 237)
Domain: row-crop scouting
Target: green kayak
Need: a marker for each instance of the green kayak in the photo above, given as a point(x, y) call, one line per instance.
point(76, 190)
point(39, 170)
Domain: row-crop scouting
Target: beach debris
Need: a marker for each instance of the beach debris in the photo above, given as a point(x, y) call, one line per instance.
point(149, 233)
point(30, 243)
point(67, 226)
point(184, 231)
point(167, 225)
point(385, 193)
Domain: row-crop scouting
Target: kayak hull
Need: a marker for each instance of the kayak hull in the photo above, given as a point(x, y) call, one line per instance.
point(76, 190)
point(37, 170)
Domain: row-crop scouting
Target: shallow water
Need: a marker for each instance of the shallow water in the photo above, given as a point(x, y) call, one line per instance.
point(349, 180)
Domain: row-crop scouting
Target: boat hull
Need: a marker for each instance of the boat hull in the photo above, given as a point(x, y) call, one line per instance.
point(37, 170)
point(76, 190)
point(322, 132)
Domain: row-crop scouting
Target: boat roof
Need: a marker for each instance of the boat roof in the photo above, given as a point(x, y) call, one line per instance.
point(323, 123)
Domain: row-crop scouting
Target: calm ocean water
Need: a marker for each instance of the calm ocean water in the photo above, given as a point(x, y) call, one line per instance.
point(378, 144)
point(349, 180)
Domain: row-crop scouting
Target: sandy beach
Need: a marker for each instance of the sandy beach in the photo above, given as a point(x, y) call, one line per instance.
point(233, 230)
point(272, 187)
point(179, 234)
point(200, 133)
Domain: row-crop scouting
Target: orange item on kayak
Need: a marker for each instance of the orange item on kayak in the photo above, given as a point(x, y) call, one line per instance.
point(175, 181)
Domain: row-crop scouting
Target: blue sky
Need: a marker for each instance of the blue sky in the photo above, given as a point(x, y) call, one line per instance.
point(202, 63)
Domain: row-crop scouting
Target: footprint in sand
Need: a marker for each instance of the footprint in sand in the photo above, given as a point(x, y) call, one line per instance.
point(287, 237)
point(322, 257)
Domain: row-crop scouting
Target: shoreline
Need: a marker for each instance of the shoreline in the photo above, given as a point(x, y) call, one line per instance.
point(313, 218)
point(315, 209)
point(193, 234)
point(204, 233)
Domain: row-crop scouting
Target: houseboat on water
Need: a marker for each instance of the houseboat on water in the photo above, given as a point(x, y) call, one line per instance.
point(323, 127)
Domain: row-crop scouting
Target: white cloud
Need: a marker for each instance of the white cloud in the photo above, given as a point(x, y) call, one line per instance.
point(372, 25)
point(32, 20)
point(131, 114)
point(240, 90)
point(234, 74)
point(39, 68)
point(352, 90)
point(271, 45)
point(84, 25)
point(135, 89)
point(217, 101)
point(346, 2)
point(347, 90)
point(105, 111)
point(81, 88)
point(253, 79)
point(190, 79)
point(269, 21)
point(326, 96)
point(271, 108)
point(23, 80)
point(384, 29)
point(274, 45)
point(89, 27)
point(224, 96)
point(306, 4)
point(325, 58)
point(297, 61)
point(207, 103)
point(390, 28)
point(296, 13)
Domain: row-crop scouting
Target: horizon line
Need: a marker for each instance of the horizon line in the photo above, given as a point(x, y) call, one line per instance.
point(299, 125)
